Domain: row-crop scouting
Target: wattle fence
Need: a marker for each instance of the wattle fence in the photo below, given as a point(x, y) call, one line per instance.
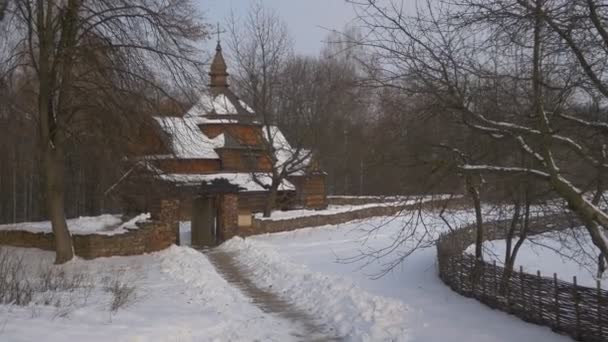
point(565, 307)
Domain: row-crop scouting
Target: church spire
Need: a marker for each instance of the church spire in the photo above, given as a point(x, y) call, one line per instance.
point(218, 72)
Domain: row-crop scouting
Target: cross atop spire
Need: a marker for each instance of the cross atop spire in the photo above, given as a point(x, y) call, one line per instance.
point(218, 31)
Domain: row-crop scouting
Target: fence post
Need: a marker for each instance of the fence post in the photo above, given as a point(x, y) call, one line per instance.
point(483, 280)
point(539, 295)
point(577, 309)
point(452, 274)
point(460, 276)
point(599, 308)
point(521, 288)
point(556, 294)
point(495, 279)
point(473, 276)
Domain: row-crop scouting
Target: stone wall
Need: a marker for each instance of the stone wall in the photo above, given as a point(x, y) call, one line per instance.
point(355, 200)
point(150, 236)
point(261, 226)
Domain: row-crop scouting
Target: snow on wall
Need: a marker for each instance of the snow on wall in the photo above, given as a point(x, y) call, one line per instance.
point(106, 224)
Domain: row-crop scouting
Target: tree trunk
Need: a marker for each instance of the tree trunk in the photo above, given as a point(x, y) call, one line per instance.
point(51, 137)
point(272, 198)
point(474, 192)
point(55, 197)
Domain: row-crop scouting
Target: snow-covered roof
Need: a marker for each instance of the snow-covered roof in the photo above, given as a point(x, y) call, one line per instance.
point(187, 140)
point(242, 179)
point(287, 156)
point(222, 103)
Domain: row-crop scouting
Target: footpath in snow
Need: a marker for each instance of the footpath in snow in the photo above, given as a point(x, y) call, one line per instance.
point(409, 303)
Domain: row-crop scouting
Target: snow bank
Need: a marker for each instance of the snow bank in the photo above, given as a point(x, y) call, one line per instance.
point(106, 224)
point(353, 312)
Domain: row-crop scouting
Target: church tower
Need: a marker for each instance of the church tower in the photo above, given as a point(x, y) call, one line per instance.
point(218, 72)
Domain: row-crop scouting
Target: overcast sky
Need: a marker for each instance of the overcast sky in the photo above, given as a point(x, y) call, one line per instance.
point(306, 19)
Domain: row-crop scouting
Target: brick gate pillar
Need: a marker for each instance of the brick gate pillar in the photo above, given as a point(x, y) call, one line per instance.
point(228, 216)
point(169, 215)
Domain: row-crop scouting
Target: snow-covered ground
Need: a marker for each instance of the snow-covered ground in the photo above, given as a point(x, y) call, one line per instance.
point(106, 224)
point(179, 297)
point(321, 269)
point(568, 253)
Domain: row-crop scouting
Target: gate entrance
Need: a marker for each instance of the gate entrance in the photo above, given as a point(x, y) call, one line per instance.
point(204, 222)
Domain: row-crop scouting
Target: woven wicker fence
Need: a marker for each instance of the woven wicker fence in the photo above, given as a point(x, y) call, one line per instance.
point(568, 308)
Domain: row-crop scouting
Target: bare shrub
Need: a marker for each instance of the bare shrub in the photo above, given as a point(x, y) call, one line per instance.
point(15, 287)
point(48, 285)
point(122, 290)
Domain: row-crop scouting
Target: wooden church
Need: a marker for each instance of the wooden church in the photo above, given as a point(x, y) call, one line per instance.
point(219, 160)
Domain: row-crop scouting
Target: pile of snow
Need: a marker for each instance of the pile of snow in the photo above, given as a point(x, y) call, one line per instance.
point(105, 224)
point(351, 311)
point(568, 253)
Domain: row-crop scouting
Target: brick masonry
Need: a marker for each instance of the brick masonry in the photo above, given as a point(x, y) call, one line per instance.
point(228, 216)
point(151, 236)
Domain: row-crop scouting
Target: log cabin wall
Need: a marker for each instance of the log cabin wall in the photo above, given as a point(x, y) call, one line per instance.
point(256, 201)
point(310, 190)
point(244, 160)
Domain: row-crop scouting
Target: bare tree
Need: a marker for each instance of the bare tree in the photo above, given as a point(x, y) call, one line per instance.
point(93, 62)
point(261, 48)
point(462, 53)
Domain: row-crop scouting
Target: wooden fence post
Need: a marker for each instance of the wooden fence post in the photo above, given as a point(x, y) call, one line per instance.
point(495, 279)
point(521, 288)
point(556, 294)
point(577, 309)
point(599, 308)
point(483, 279)
point(539, 295)
point(460, 275)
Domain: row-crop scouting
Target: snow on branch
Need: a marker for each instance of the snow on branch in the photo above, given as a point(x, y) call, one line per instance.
point(501, 169)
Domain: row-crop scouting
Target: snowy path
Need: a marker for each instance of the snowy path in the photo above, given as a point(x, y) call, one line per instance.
point(306, 328)
point(408, 304)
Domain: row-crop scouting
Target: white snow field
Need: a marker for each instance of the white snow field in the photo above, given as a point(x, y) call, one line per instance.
point(568, 253)
point(179, 297)
point(410, 303)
